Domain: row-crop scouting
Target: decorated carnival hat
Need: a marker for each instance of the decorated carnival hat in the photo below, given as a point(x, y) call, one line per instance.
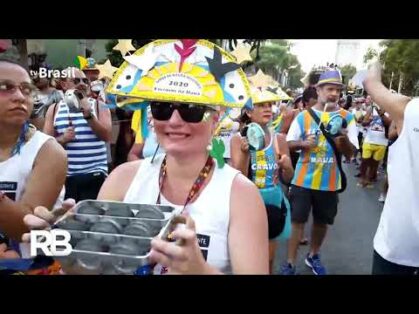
point(277, 90)
point(188, 70)
point(262, 88)
point(260, 96)
point(331, 76)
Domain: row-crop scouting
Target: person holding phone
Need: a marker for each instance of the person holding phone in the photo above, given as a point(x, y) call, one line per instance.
point(266, 166)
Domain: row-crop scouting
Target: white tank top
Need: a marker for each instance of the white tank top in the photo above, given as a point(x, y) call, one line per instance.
point(397, 237)
point(15, 172)
point(210, 211)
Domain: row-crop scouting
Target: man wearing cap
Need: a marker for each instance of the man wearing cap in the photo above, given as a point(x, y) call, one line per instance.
point(317, 178)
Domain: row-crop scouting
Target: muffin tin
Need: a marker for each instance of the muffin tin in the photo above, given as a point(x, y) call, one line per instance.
point(113, 237)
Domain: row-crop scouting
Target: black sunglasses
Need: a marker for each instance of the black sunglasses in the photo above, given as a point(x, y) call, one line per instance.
point(78, 80)
point(10, 87)
point(190, 113)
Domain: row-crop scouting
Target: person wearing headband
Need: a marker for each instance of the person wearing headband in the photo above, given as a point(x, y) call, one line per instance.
point(185, 82)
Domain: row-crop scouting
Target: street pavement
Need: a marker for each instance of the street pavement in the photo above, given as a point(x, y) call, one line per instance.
point(348, 247)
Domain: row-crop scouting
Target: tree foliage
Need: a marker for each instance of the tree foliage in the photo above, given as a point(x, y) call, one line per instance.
point(348, 71)
point(276, 60)
point(401, 57)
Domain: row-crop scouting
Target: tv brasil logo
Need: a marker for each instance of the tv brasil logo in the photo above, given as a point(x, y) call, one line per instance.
point(79, 61)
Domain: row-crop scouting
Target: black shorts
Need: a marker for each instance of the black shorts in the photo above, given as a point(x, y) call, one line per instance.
point(324, 204)
point(381, 266)
point(276, 220)
point(294, 158)
point(84, 186)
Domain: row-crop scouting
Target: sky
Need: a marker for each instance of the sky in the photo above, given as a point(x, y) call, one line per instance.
point(319, 52)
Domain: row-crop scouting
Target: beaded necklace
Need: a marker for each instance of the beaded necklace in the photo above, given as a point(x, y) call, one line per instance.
point(196, 187)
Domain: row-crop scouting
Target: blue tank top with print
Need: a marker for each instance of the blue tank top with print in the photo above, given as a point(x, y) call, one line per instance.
point(263, 166)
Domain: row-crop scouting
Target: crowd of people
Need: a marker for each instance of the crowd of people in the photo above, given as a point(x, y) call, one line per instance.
point(245, 167)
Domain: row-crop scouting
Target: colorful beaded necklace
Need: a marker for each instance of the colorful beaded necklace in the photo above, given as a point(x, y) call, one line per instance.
point(196, 187)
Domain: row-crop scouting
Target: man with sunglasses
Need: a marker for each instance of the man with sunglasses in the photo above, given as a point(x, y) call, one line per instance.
point(83, 133)
point(46, 96)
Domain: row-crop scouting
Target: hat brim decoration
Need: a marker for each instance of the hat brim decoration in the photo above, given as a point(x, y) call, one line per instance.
point(190, 71)
point(278, 91)
point(260, 96)
point(283, 95)
point(330, 81)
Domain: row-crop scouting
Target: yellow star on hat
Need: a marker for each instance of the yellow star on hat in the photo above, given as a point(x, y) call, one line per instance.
point(124, 46)
point(242, 53)
point(260, 80)
point(106, 69)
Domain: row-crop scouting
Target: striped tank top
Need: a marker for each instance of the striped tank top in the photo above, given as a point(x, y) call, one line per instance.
point(86, 153)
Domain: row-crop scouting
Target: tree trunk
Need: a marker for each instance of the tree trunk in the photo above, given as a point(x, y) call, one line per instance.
point(400, 83)
point(391, 80)
point(22, 48)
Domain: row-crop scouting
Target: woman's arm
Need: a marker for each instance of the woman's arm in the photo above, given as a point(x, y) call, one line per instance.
point(248, 230)
point(136, 152)
point(240, 157)
point(284, 158)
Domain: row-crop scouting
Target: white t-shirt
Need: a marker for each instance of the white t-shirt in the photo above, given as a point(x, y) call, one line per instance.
point(397, 237)
point(375, 132)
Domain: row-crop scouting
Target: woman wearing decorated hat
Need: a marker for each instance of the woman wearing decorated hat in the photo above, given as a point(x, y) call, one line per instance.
point(263, 156)
point(185, 82)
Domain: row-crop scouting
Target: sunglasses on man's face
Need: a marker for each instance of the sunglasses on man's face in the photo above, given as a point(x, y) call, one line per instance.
point(10, 87)
point(78, 80)
point(190, 113)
